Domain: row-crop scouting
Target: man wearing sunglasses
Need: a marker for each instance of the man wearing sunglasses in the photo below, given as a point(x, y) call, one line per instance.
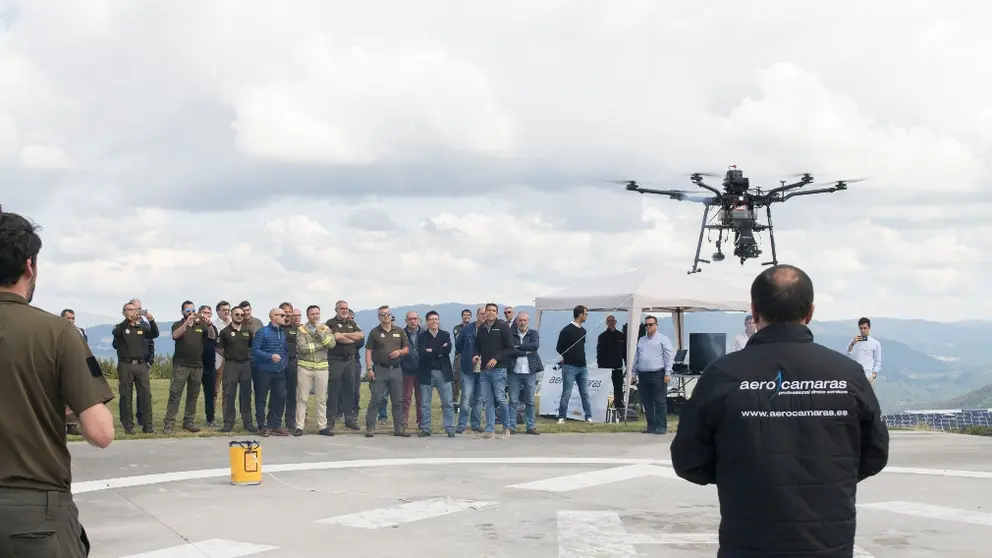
point(652, 368)
point(234, 341)
point(271, 356)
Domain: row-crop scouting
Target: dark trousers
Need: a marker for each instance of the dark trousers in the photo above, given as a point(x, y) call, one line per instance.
point(186, 378)
point(386, 380)
point(260, 395)
point(358, 385)
point(291, 381)
point(340, 381)
point(351, 399)
point(40, 524)
point(237, 386)
point(654, 397)
point(210, 391)
point(456, 384)
point(273, 387)
point(134, 377)
point(619, 379)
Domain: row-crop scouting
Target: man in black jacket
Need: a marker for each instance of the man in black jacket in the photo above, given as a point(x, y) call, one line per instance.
point(786, 428)
point(611, 353)
point(494, 345)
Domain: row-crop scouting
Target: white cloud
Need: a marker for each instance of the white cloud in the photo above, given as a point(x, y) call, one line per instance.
point(429, 152)
point(42, 157)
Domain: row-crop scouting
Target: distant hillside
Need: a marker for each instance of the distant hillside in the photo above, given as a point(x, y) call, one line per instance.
point(980, 398)
point(922, 362)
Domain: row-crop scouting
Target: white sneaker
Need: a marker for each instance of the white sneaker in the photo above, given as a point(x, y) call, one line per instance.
point(561, 421)
point(589, 420)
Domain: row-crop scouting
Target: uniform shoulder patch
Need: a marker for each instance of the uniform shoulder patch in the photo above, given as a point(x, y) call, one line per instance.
point(94, 367)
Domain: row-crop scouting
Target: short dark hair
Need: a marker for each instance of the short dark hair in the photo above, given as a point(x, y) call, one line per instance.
point(244, 304)
point(466, 310)
point(67, 311)
point(782, 293)
point(187, 303)
point(493, 304)
point(432, 313)
point(19, 242)
point(286, 306)
point(579, 310)
point(221, 304)
point(650, 317)
point(311, 307)
point(865, 321)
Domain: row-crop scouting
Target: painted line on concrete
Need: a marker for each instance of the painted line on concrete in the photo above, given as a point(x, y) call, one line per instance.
point(214, 548)
point(178, 476)
point(939, 472)
point(406, 513)
point(588, 479)
point(593, 533)
point(584, 534)
point(160, 478)
point(932, 512)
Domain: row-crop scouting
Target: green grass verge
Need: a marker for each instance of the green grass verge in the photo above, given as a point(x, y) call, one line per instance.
point(160, 397)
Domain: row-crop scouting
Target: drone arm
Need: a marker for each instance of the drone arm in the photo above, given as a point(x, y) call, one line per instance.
point(811, 192)
point(785, 188)
point(702, 184)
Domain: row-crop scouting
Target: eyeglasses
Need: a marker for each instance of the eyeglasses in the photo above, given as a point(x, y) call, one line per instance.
point(651, 325)
point(238, 314)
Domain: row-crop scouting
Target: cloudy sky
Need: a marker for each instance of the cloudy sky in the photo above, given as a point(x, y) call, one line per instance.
point(420, 152)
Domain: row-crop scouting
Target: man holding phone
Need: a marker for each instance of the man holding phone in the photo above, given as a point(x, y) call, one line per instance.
point(866, 350)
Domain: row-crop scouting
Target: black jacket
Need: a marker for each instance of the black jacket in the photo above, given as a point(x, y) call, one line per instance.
point(495, 342)
point(786, 429)
point(438, 357)
point(611, 349)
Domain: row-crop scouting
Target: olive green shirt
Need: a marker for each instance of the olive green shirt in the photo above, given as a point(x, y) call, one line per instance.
point(382, 342)
point(51, 368)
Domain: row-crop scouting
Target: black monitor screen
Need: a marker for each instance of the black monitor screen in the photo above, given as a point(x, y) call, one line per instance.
point(704, 348)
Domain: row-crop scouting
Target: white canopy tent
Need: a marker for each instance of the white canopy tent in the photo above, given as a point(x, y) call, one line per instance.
point(653, 290)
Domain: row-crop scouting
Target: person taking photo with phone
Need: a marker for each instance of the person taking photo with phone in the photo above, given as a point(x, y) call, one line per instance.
point(866, 350)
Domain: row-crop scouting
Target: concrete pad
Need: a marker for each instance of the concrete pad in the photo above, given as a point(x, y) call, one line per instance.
point(567, 496)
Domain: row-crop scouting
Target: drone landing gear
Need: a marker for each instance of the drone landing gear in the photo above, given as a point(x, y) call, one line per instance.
point(699, 245)
point(771, 236)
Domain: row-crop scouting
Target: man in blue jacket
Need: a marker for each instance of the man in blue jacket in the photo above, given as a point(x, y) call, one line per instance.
point(271, 356)
point(471, 403)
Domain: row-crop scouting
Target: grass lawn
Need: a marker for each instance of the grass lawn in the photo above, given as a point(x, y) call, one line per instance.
point(160, 397)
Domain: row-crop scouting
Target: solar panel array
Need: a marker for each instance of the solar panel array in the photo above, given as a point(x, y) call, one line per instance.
point(949, 420)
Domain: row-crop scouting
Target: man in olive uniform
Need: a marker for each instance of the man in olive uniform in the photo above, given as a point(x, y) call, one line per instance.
point(341, 367)
point(49, 375)
point(292, 365)
point(384, 348)
point(235, 342)
point(187, 367)
point(130, 339)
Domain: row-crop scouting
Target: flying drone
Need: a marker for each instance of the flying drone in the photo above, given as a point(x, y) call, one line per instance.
point(736, 210)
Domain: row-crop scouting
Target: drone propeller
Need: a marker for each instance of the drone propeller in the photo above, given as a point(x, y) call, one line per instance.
point(841, 184)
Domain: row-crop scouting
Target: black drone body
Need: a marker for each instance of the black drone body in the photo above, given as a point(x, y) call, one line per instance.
point(736, 209)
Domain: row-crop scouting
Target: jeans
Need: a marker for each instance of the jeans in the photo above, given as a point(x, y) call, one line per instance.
point(522, 386)
point(447, 407)
point(273, 386)
point(571, 375)
point(654, 397)
point(493, 384)
point(471, 403)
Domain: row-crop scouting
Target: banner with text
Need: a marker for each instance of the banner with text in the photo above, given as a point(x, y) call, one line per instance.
point(600, 387)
